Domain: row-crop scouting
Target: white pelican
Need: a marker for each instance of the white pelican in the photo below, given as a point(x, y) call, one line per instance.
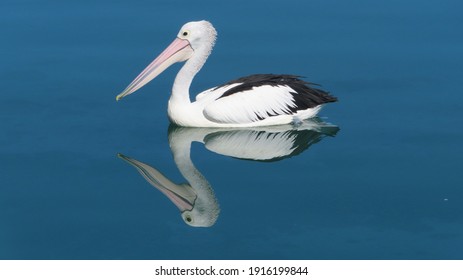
point(195, 198)
point(256, 100)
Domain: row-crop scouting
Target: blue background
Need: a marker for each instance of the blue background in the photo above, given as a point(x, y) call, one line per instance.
point(388, 186)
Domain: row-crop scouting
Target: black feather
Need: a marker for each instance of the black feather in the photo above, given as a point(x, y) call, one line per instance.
point(305, 95)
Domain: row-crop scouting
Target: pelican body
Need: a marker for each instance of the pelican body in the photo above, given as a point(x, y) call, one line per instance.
point(256, 100)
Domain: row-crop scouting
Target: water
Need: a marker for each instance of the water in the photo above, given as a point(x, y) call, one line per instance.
point(384, 183)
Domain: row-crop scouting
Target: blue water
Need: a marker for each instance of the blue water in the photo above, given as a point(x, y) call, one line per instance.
point(385, 184)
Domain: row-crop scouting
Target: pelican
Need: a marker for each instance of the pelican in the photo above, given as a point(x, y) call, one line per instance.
point(256, 100)
point(196, 200)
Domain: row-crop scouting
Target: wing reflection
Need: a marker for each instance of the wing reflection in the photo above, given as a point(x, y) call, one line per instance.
point(195, 199)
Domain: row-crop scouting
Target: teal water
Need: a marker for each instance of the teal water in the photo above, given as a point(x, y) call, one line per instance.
point(378, 176)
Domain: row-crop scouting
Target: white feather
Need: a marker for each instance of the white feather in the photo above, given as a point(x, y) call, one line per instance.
point(248, 106)
point(253, 144)
point(216, 92)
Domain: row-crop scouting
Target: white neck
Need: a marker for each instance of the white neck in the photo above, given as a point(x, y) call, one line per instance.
point(181, 87)
point(206, 207)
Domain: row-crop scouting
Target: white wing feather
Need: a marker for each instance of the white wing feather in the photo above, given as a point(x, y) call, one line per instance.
point(215, 92)
point(248, 106)
point(252, 144)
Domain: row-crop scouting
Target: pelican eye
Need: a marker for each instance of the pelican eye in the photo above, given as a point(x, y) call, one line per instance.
point(188, 219)
point(185, 33)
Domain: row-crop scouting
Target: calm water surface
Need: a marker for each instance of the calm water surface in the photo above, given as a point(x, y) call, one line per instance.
point(378, 176)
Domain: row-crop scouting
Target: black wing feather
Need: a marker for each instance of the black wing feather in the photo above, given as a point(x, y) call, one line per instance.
point(305, 96)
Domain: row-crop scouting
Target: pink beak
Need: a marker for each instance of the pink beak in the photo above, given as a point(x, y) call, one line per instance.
point(179, 50)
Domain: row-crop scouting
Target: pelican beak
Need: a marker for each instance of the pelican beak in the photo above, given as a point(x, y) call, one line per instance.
point(179, 50)
point(183, 196)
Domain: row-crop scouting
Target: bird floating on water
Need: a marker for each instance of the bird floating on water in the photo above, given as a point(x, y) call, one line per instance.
point(256, 100)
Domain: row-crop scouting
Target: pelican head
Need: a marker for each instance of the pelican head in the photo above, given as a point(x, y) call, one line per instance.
point(195, 39)
point(203, 214)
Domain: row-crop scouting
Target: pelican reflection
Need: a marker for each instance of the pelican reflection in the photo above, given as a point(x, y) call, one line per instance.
point(195, 199)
